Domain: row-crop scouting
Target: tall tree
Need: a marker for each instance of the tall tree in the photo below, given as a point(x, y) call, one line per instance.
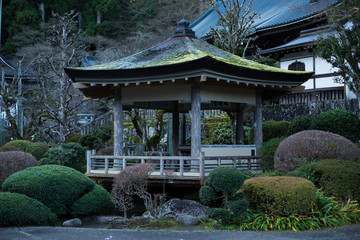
point(234, 25)
point(342, 49)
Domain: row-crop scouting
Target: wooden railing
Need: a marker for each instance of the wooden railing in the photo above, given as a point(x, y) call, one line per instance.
point(181, 166)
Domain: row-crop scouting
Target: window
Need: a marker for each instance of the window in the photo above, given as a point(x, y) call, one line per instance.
point(297, 66)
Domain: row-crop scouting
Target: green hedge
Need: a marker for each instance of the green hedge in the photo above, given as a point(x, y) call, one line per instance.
point(69, 155)
point(272, 129)
point(97, 201)
point(57, 187)
point(267, 152)
point(20, 210)
point(336, 177)
point(341, 122)
point(298, 124)
point(36, 149)
point(281, 196)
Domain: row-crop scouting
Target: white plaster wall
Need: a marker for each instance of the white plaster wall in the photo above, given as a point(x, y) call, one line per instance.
point(323, 67)
point(284, 64)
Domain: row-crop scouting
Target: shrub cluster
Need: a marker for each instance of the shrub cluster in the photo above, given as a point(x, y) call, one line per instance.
point(313, 145)
point(19, 210)
point(281, 196)
point(55, 186)
point(337, 121)
point(336, 177)
point(36, 149)
point(267, 152)
point(298, 124)
point(11, 162)
point(73, 138)
point(70, 155)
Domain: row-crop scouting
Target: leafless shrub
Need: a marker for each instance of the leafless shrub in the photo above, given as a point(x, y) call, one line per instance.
point(14, 161)
point(312, 146)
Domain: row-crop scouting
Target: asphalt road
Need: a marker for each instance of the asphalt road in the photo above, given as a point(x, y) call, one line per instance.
point(350, 232)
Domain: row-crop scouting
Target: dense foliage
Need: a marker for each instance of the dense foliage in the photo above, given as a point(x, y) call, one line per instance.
point(57, 187)
point(335, 177)
point(267, 152)
point(97, 201)
point(298, 124)
point(281, 196)
point(21, 210)
point(12, 162)
point(313, 145)
point(91, 142)
point(70, 155)
point(272, 129)
point(36, 149)
point(337, 121)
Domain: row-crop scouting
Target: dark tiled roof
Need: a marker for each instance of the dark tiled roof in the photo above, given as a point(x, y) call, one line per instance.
point(272, 13)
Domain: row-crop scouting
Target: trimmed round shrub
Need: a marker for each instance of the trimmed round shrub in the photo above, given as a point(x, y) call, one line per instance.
point(280, 196)
point(341, 122)
point(336, 177)
point(313, 145)
point(20, 210)
point(226, 180)
point(70, 155)
point(239, 207)
point(57, 187)
point(271, 174)
point(207, 195)
point(298, 124)
point(97, 201)
point(218, 214)
point(36, 149)
point(12, 162)
point(267, 152)
point(272, 129)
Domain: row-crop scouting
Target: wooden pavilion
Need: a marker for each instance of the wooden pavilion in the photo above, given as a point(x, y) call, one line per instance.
point(184, 74)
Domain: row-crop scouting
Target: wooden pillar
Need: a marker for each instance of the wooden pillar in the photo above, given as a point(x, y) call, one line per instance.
point(258, 136)
point(118, 124)
point(239, 124)
point(195, 121)
point(175, 130)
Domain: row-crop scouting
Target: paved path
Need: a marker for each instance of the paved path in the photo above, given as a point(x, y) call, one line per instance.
point(351, 232)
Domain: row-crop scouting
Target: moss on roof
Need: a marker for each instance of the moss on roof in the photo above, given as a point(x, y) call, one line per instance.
point(180, 50)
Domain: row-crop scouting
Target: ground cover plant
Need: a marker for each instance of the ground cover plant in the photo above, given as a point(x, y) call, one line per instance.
point(313, 145)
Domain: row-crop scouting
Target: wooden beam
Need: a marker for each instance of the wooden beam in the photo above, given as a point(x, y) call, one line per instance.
point(258, 135)
point(118, 123)
point(195, 121)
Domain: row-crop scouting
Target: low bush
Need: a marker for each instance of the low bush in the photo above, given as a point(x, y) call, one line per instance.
point(21, 210)
point(336, 177)
point(281, 196)
point(310, 146)
point(267, 152)
point(298, 124)
point(36, 149)
point(9, 149)
point(341, 122)
point(70, 155)
point(271, 174)
point(57, 187)
point(272, 129)
point(207, 195)
point(106, 151)
point(238, 207)
point(97, 201)
point(12, 162)
point(218, 214)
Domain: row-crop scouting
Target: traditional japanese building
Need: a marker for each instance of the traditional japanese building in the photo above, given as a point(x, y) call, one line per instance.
point(184, 74)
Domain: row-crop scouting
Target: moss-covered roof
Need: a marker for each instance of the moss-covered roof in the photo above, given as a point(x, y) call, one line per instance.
point(179, 50)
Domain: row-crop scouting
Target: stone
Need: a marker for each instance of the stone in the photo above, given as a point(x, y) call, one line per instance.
point(72, 222)
point(187, 212)
point(109, 219)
